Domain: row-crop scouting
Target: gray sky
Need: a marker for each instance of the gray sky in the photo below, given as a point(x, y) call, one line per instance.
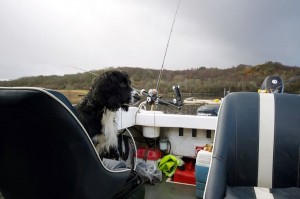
point(44, 37)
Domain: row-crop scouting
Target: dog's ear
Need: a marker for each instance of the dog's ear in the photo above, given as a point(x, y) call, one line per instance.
point(103, 91)
point(99, 89)
point(115, 82)
point(111, 89)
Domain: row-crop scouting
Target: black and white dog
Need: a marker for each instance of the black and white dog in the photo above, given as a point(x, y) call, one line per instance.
point(97, 111)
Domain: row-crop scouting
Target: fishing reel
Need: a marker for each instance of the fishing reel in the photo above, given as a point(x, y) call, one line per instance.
point(153, 98)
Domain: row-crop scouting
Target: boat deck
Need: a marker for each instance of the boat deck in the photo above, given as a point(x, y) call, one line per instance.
point(166, 190)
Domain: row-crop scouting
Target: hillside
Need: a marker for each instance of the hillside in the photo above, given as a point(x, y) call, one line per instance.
point(193, 82)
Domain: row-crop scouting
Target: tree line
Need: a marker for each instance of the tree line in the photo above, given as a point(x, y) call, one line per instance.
point(192, 82)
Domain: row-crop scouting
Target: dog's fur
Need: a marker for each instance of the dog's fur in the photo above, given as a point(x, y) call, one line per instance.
point(97, 110)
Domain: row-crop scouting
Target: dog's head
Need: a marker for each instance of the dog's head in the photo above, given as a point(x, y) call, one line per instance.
point(113, 90)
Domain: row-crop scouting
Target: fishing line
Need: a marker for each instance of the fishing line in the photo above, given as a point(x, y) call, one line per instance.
point(82, 70)
point(163, 62)
point(290, 80)
point(287, 82)
point(284, 83)
point(136, 90)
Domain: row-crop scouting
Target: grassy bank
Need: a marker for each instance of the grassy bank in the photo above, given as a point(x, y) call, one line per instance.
point(74, 96)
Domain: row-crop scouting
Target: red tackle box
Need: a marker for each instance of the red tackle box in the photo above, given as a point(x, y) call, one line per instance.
point(187, 175)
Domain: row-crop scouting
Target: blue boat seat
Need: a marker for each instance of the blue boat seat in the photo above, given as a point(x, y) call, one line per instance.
point(256, 147)
point(46, 153)
point(63, 99)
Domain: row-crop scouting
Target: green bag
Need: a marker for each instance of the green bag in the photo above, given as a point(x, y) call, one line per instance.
point(168, 165)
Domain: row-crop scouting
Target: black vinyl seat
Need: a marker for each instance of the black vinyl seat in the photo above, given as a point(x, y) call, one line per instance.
point(46, 153)
point(256, 148)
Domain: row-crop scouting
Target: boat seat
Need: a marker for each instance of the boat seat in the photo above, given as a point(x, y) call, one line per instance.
point(256, 147)
point(63, 99)
point(46, 153)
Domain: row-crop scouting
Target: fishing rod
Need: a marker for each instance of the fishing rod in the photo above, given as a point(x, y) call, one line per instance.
point(152, 95)
point(165, 54)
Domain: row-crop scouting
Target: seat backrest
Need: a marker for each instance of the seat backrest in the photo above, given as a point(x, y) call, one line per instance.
point(257, 142)
point(63, 99)
point(46, 153)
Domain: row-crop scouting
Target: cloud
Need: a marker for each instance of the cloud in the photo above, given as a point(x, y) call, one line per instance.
point(42, 37)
